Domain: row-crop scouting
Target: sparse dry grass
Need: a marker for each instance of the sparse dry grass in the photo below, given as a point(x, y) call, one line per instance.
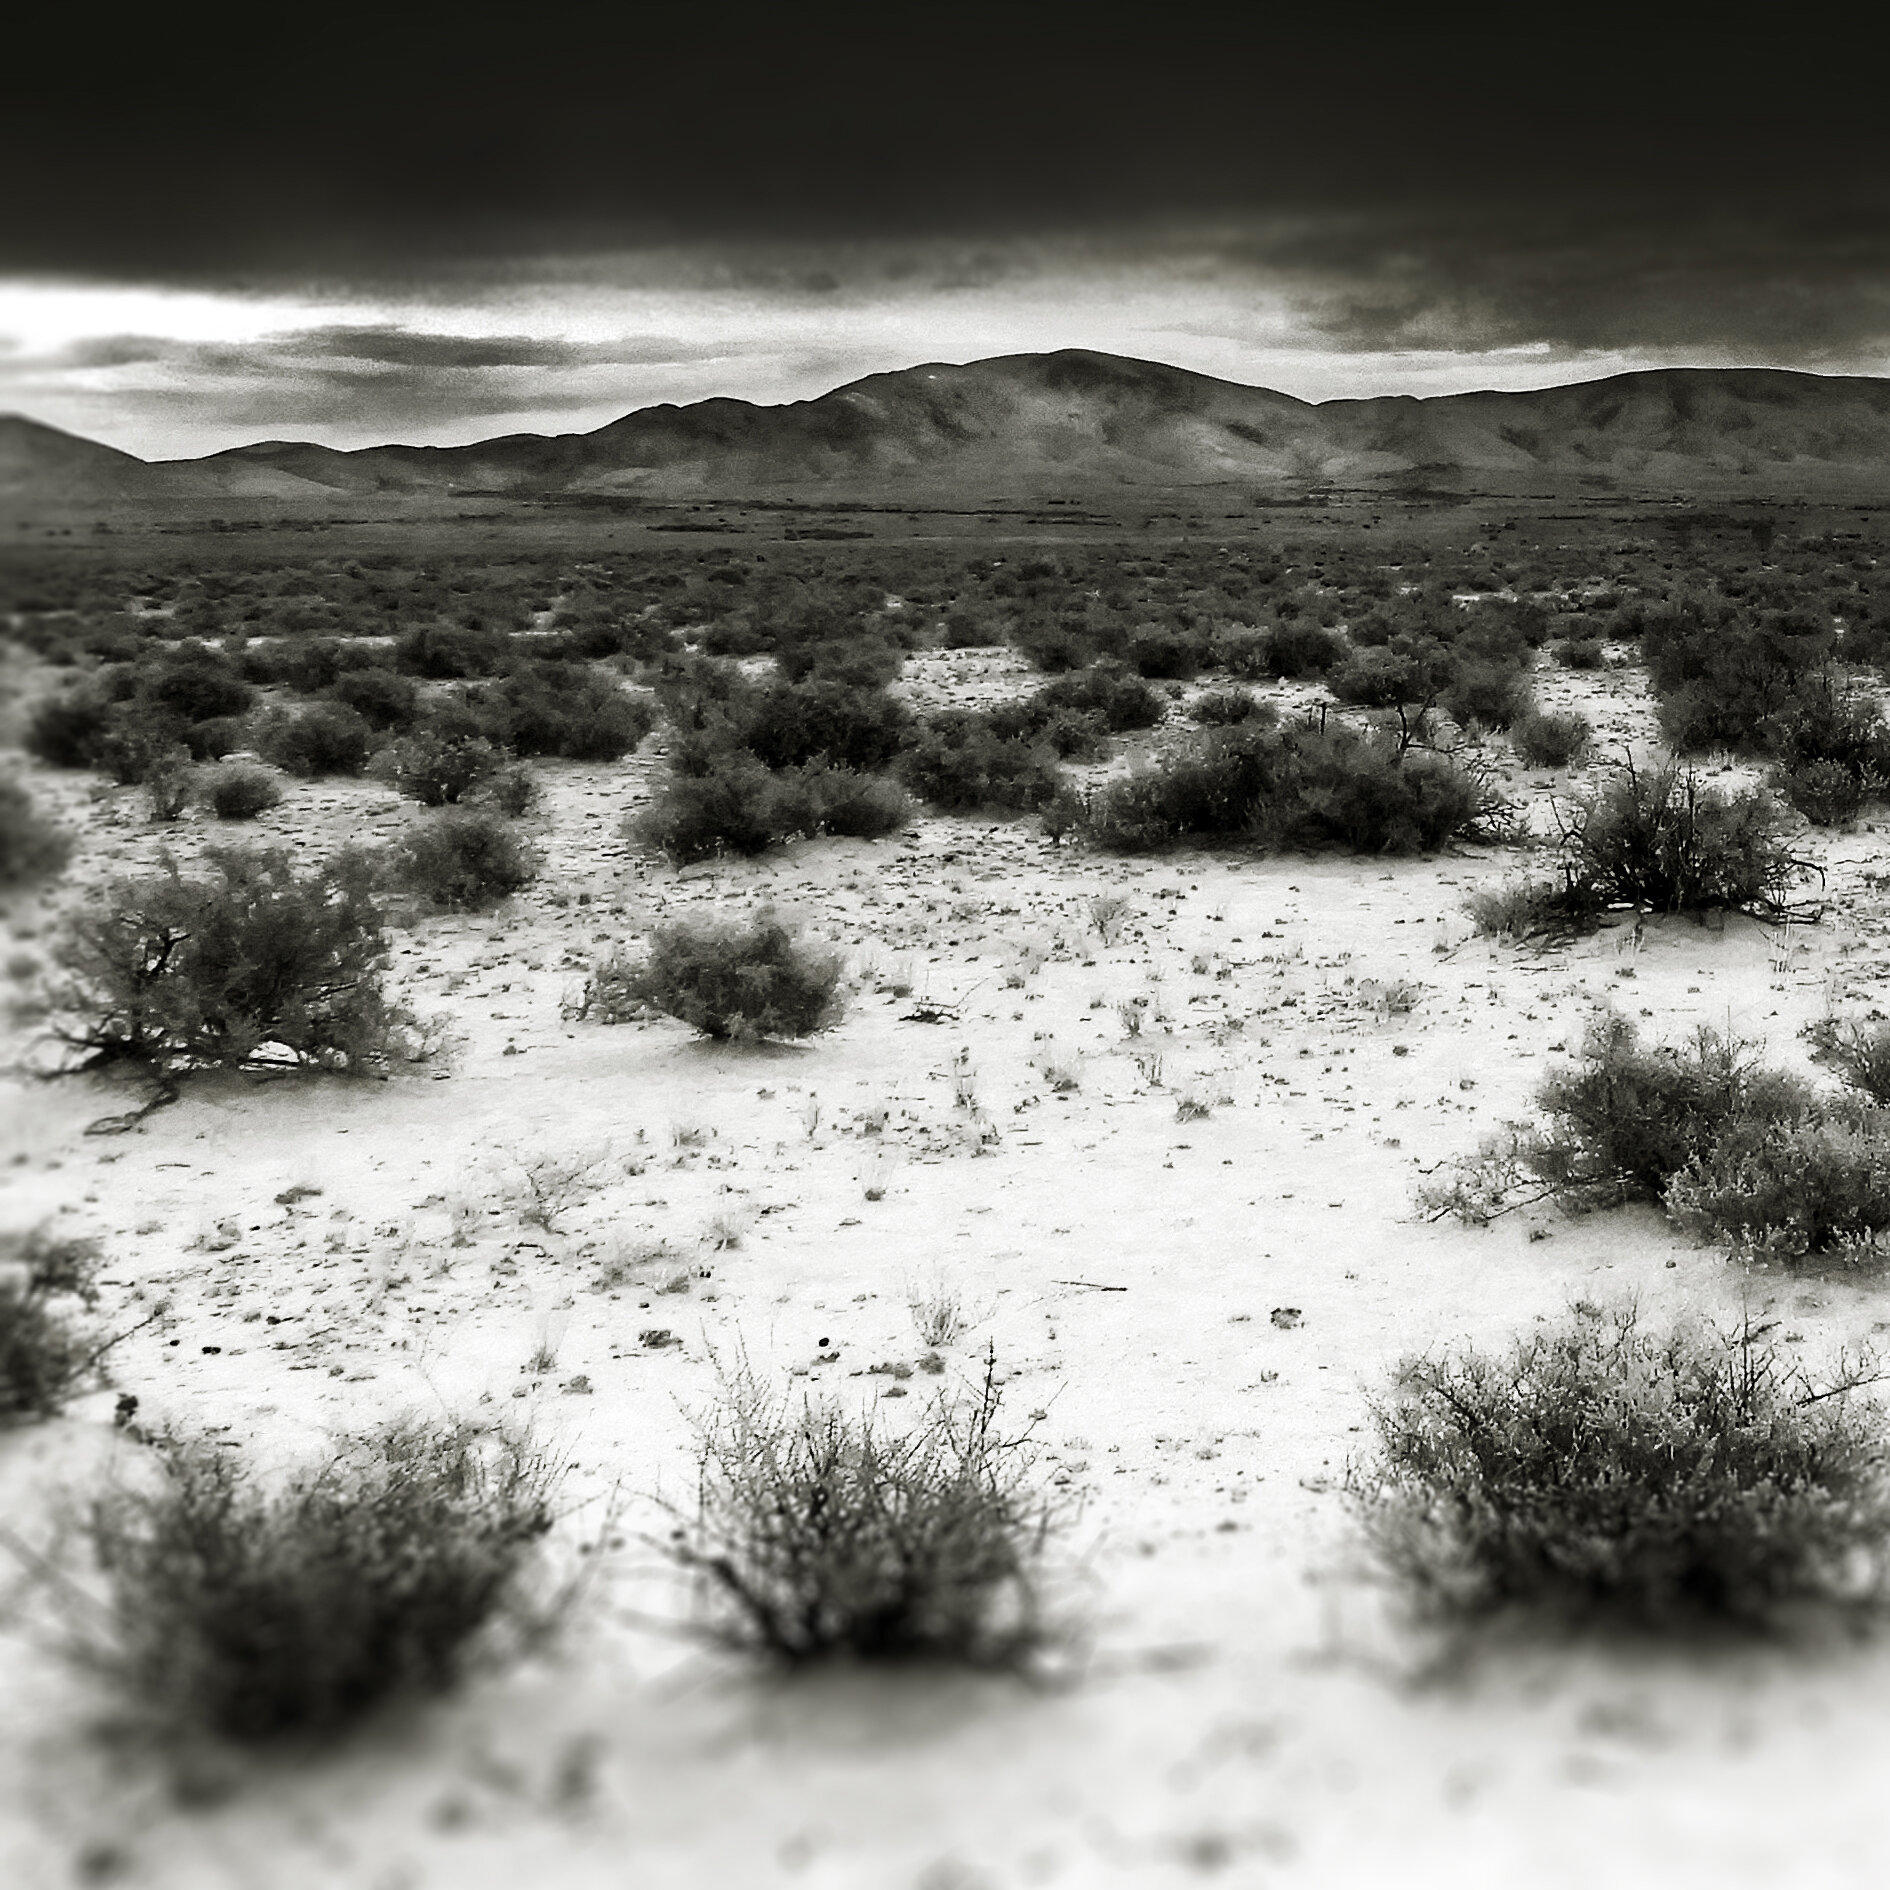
point(820, 1537)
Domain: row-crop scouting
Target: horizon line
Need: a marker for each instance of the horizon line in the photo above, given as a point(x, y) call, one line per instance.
point(1027, 354)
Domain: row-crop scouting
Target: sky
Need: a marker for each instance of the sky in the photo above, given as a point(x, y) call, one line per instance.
point(350, 231)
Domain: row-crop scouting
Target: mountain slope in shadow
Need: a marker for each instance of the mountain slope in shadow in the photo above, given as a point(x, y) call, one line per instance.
point(1026, 425)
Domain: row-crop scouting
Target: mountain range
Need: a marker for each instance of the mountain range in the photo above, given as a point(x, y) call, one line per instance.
point(1071, 422)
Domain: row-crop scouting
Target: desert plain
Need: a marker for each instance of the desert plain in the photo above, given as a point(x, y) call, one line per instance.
point(1147, 1132)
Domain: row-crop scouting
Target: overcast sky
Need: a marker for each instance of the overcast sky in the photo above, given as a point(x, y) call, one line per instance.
point(353, 237)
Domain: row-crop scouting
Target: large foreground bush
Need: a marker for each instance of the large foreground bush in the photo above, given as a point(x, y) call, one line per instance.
point(248, 963)
point(1603, 1469)
point(730, 978)
point(819, 1536)
point(380, 1572)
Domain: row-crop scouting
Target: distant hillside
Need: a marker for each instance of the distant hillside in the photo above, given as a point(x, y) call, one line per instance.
point(40, 463)
point(1023, 425)
point(43, 463)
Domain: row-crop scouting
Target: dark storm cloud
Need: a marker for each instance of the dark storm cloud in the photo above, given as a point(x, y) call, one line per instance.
point(387, 230)
point(381, 355)
point(390, 347)
point(384, 377)
point(92, 352)
point(1759, 287)
point(174, 147)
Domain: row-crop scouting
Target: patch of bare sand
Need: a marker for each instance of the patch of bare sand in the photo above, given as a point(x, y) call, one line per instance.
point(1199, 1300)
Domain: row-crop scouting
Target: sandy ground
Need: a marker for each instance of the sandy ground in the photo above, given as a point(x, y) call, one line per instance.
point(1197, 1264)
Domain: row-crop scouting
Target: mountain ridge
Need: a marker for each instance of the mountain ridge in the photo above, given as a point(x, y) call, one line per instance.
point(1019, 424)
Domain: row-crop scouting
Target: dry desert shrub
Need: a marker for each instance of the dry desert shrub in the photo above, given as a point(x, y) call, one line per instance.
point(611, 993)
point(45, 1351)
point(543, 1186)
point(384, 1570)
point(960, 763)
point(1579, 653)
point(1105, 693)
point(1535, 908)
point(1750, 1157)
point(1061, 1069)
point(515, 790)
point(1833, 750)
point(938, 1316)
point(1622, 1122)
point(1226, 708)
point(1108, 914)
point(1655, 839)
point(249, 963)
point(463, 859)
point(325, 738)
point(1487, 694)
point(1286, 652)
point(733, 979)
point(1395, 997)
point(562, 709)
point(1816, 1185)
point(1309, 785)
point(728, 1226)
point(170, 785)
point(1601, 1469)
point(32, 848)
point(240, 791)
point(819, 1537)
point(1625, 1120)
point(1826, 792)
point(1548, 738)
point(438, 767)
point(720, 799)
point(1858, 1049)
